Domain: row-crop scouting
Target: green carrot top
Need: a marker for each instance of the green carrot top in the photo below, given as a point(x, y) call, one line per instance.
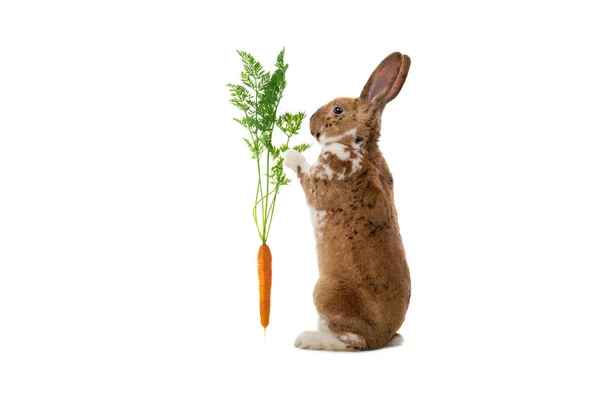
point(258, 97)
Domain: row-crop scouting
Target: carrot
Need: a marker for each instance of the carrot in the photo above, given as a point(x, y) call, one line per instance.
point(264, 284)
point(258, 98)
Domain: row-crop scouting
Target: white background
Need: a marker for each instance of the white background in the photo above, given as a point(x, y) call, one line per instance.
point(127, 247)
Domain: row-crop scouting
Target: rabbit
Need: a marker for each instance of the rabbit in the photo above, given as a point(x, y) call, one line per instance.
point(364, 285)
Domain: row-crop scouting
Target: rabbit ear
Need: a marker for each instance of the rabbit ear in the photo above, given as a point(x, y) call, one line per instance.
point(387, 79)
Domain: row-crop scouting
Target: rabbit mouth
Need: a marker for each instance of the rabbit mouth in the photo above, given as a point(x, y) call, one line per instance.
point(316, 133)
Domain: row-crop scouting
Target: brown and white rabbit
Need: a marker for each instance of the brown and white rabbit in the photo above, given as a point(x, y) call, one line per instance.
point(363, 289)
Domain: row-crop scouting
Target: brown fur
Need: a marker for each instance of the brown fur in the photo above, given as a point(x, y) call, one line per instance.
point(364, 281)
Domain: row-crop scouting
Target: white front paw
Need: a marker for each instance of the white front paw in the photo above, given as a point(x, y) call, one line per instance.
point(294, 160)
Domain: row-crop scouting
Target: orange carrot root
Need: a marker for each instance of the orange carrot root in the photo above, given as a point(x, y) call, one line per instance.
point(264, 284)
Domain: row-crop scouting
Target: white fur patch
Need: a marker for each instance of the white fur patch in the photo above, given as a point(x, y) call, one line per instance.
point(355, 164)
point(322, 340)
point(396, 340)
point(329, 173)
point(317, 219)
point(337, 149)
point(324, 171)
point(327, 140)
point(321, 326)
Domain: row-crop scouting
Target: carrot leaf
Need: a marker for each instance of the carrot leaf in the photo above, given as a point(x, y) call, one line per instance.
point(258, 97)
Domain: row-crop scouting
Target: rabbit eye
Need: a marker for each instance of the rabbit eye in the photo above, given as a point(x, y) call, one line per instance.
point(338, 110)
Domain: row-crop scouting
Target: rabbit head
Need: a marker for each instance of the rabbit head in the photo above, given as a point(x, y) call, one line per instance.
point(357, 121)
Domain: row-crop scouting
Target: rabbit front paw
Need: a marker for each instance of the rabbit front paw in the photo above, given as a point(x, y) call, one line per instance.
point(294, 160)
